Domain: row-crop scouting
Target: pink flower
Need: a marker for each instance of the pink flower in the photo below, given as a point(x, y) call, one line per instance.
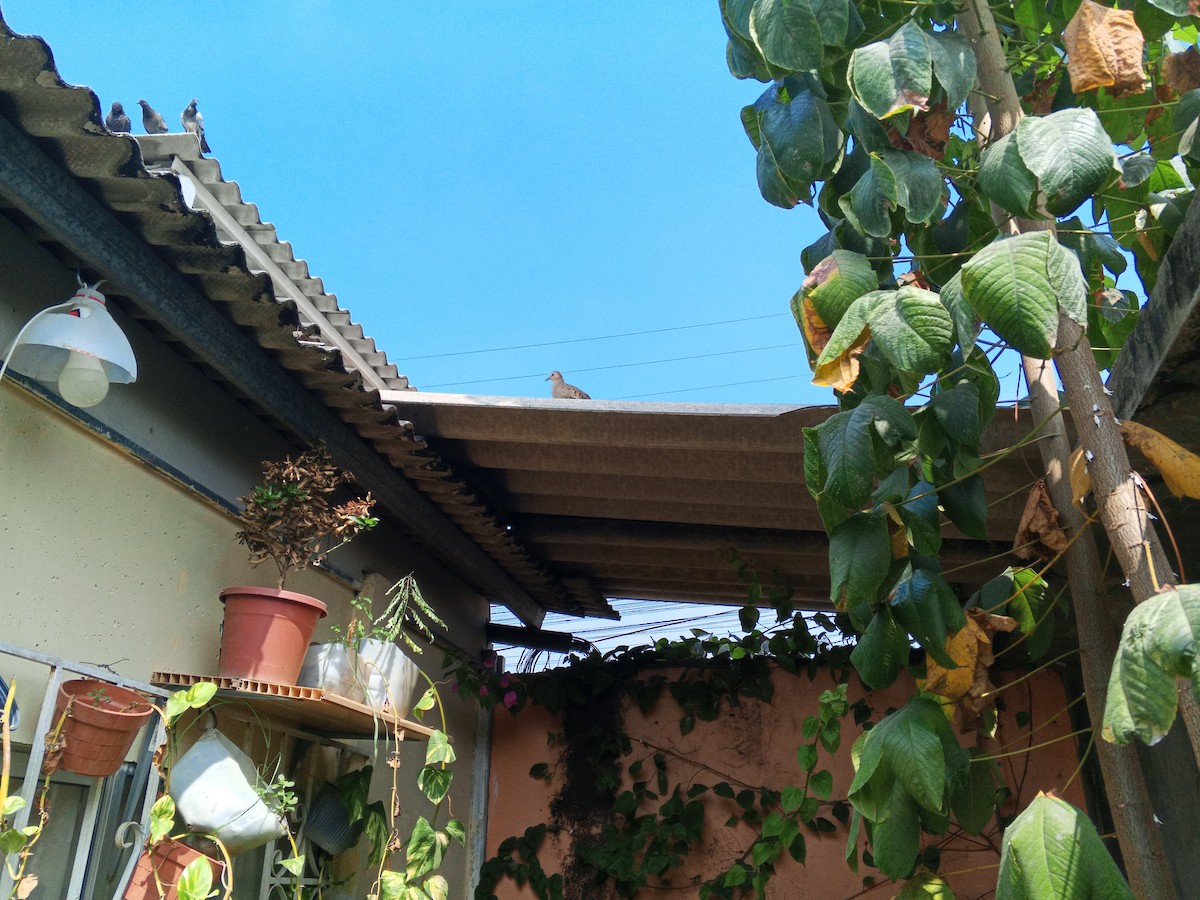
point(510, 699)
point(504, 680)
point(489, 659)
point(483, 691)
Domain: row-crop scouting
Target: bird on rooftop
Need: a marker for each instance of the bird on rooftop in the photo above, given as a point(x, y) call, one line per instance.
point(116, 120)
point(194, 123)
point(151, 120)
point(564, 391)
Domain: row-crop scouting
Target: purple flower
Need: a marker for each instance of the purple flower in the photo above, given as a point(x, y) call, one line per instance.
point(489, 659)
point(504, 680)
point(510, 699)
point(483, 691)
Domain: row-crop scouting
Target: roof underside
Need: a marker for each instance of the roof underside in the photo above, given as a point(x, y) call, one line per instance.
point(650, 501)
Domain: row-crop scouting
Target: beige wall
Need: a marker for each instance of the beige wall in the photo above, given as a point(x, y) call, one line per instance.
point(756, 744)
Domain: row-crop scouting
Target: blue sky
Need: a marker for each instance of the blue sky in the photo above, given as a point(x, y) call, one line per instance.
point(469, 176)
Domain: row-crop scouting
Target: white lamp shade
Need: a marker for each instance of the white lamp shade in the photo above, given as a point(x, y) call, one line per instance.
point(85, 327)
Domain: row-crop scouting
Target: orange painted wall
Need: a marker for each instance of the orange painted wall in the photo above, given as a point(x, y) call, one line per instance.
point(756, 744)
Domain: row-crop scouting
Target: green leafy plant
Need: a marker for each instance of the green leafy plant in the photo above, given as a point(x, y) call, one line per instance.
point(289, 518)
point(407, 610)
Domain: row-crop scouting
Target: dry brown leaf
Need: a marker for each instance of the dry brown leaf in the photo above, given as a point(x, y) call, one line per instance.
point(897, 531)
point(816, 332)
point(968, 687)
point(26, 885)
point(1081, 482)
point(1179, 466)
point(841, 372)
point(1181, 71)
point(1104, 49)
point(1039, 534)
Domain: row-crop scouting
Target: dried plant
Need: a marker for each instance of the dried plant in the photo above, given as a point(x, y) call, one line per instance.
point(289, 518)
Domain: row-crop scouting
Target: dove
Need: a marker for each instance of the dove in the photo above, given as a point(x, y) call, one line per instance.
point(116, 120)
point(151, 120)
point(564, 391)
point(194, 123)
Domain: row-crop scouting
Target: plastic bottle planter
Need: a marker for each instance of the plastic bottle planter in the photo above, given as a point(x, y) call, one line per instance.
point(213, 788)
point(328, 824)
point(384, 675)
point(103, 723)
point(168, 858)
point(266, 633)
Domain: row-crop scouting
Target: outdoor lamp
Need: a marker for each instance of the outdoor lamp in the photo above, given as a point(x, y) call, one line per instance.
point(76, 345)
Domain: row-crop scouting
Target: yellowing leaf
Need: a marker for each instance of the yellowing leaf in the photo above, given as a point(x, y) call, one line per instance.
point(967, 688)
point(841, 372)
point(898, 533)
point(1081, 482)
point(1039, 534)
point(1181, 71)
point(816, 332)
point(1104, 49)
point(1179, 466)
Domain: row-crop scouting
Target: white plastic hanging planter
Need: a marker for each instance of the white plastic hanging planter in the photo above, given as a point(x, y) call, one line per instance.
point(330, 668)
point(213, 789)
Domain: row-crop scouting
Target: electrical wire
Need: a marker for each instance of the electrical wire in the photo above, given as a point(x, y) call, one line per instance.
point(710, 387)
point(652, 362)
point(603, 337)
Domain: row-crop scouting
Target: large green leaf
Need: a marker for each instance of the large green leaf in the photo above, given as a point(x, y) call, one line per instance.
point(425, 849)
point(913, 329)
point(800, 132)
point(953, 65)
point(836, 282)
point(881, 651)
point(1052, 850)
point(848, 455)
point(868, 206)
point(195, 882)
point(973, 796)
point(966, 320)
point(1006, 180)
point(920, 188)
point(1159, 643)
point(787, 33)
point(859, 558)
point(957, 411)
point(925, 605)
point(893, 76)
point(966, 506)
point(896, 835)
point(1017, 285)
point(1070, 153)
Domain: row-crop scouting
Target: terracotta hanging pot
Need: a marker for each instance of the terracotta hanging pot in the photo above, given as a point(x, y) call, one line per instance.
point(168, 858)
point(100, 729)
point(266, 633)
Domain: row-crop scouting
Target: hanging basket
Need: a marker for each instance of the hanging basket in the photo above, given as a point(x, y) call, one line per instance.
point(101, 727)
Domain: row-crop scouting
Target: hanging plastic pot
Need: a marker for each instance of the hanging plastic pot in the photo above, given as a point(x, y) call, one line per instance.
point(168, 858)
point(266, 633)
point(213, 786)
point(387, 674)
point(101, 727)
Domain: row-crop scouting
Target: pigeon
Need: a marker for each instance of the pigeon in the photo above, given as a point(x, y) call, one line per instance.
point(116, 120)
point(564, 391)
point(151, 120)
point(194, 123)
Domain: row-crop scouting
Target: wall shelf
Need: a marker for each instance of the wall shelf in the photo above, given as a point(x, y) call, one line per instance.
point(311, 709)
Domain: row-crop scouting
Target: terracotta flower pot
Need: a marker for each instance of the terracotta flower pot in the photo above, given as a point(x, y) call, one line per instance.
point(266, 633)
point(100, 730)
point(168, 858)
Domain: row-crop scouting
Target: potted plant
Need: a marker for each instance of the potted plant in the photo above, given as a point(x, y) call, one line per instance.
point(99, 724)
point(364, 663)
point(289, 520)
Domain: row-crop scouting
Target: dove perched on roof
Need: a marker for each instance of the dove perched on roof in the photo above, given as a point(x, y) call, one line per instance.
point(564, 391)
point(194, 122)
point(151, 120)
point(116, 120)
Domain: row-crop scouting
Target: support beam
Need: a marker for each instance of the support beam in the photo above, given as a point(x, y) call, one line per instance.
point(55, 201)
point(536, 638)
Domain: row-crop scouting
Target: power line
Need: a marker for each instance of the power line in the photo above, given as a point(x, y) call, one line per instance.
point(652, 362)
point(711, 387)
point(603, 337)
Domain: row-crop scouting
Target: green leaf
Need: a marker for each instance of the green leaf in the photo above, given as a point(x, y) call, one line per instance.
point(869, 204)
point(925, 886)
point(1052, 850)
point(893, 76)
point(455, 829)
point(925, 605)
point(1159, 643)
point(195, 882)
point(434, 782)
point(12, 804)
point(957, 411)
point(11, 841)
point(439, 749)
point(919, 185)
point(845, 447)
point(1017, 285)
point(787, 34)
point(834, 283)
point(896, 834)
point(966, 322)
point(966, 506)
point(859, 558)
point(806, 756)
point(1030, 603)
point(426, 703)
point(439, 889)
point(801, 134)
point(953, 65)
point(913, 751)
point(1006, 180)
point(426, 848)
point(881, 651)
point(1070, 153)
point(973, 796)
point(791, 797)
point(294, 865)
point(162, 818)
point(821, 784)
point(913, 329)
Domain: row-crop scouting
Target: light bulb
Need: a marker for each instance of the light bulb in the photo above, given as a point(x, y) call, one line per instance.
point(83, 381)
